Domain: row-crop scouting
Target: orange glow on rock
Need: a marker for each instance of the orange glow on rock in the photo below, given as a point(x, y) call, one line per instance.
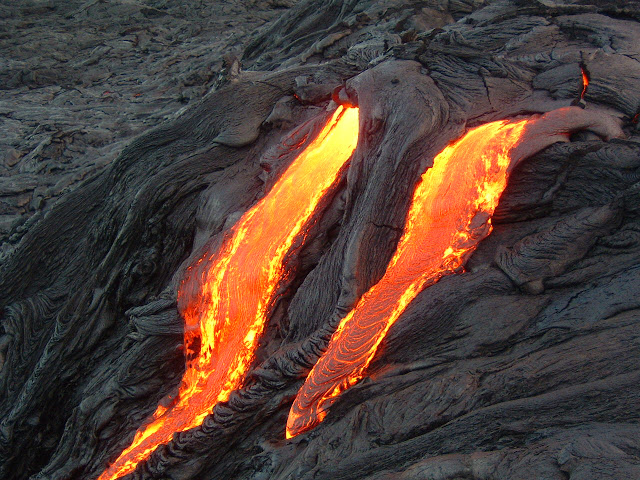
point(450, 213)
point(225, 318)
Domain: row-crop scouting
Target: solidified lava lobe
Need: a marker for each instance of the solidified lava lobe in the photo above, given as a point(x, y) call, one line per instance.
point(225, 318)
point(450, 213)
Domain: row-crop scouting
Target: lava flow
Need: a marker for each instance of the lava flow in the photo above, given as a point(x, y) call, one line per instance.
point(450, 213)
point(585, 81)
point(224, 320)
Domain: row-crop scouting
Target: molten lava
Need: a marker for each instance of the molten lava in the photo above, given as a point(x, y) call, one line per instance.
point(225, 319)
point(449, 215)
point(585, 81)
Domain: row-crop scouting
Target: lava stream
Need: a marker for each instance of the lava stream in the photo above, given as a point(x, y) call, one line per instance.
point(450, 213)
point(585, 81)
point(224, 320)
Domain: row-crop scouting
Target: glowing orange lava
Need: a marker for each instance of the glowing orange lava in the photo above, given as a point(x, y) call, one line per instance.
point(450, 213)
point(585, 81)
point(224, 321)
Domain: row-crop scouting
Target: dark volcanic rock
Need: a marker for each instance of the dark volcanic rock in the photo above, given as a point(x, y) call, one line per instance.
point(523, 366)
point(80, 79)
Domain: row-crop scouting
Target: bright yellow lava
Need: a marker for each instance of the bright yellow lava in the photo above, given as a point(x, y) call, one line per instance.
point(450, 213)
point(224, 321)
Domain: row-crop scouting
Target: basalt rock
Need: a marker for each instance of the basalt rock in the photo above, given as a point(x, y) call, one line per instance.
point(522, 366)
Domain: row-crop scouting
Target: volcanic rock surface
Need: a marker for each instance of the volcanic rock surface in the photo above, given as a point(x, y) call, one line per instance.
point(524, 366)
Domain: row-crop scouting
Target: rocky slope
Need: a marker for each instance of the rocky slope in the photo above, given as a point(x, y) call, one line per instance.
point(80, 79)
point(524, 366)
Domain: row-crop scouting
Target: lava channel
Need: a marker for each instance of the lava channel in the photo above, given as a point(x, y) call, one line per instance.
point(585, 81)
point(449, 214)
point(224, 321)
